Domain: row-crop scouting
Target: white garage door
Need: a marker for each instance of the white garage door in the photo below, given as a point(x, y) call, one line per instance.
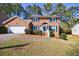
point(16, 29)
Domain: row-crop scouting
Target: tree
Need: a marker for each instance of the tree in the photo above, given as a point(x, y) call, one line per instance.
point(60, 7)
point(12, 9)
point(33, 10)
point(47, 8)
point(65, 27)
point(18, 10)
point(61, 11)
point(73, 20)
point(6, 8)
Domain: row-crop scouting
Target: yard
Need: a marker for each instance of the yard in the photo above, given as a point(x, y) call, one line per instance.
point(29, 45)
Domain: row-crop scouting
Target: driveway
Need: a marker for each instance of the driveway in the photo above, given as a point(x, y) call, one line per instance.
point(4, 37)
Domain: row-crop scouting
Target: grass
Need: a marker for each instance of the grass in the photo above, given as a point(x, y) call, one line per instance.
point(47, 47)
point(75, 45)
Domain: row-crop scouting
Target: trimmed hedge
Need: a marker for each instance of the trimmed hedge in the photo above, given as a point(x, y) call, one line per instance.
point(37, 32)
point(51, 33)
point(63, 36)
point(3, 29)
point(28, 31)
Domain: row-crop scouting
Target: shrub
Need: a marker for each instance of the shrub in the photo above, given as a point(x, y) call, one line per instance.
point(51, 33)
point(63, 36)
point(37, 32)
point(64, 27)
point(28, 31)
point(3, 29)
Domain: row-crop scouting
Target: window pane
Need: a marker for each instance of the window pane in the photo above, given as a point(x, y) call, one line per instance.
point(54, 28)
point(53, 19)
point(33, 19)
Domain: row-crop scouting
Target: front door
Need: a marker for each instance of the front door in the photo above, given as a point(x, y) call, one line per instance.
point(45, 29)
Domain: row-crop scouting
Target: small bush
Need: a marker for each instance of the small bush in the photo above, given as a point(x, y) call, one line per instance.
point(3, 29)
point(28, 31)
point(63, 36)
point(51, 33)
point(37, 32)
point(65, 27)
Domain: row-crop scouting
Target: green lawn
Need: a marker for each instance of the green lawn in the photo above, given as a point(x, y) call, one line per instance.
point(54, 47)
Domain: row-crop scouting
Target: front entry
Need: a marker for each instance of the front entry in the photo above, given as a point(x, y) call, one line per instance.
point(45, 29)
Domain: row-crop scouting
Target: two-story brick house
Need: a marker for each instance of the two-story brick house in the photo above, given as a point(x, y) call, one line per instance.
point(35, 22)
point(46, 23)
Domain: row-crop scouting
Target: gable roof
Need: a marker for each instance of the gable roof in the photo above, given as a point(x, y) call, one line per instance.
point(10, 19)
point(28, 20)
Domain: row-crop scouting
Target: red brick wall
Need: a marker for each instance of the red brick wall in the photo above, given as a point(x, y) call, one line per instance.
point(50, 24)
point(16, 21)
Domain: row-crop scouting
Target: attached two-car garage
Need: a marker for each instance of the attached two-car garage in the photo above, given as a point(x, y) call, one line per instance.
point(16, 29)
point(16, 25)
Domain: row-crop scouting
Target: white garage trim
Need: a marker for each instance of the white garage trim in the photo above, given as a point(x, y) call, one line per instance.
point(16, 29)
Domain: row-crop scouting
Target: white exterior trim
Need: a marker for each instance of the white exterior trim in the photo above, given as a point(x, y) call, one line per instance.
point(16, 29)
point(75, 29)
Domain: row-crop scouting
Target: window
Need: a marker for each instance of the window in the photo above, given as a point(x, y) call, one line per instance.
point(35, 19)
point(50, 19)
point(54, 28)
point(35, 27)
point(38, 27)
point(53, 19)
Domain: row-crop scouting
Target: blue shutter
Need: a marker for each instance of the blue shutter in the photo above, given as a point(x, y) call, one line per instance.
point(50, 27)
point(33, 19)
point(55, 20)
point(50, 19)
point(54, 28)
point(33, 28)
point(36, 19)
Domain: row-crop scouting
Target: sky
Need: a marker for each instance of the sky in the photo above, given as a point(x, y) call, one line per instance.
point(41, 4)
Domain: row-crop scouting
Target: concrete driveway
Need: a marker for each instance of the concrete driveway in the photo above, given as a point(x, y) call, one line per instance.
point(4, 37)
